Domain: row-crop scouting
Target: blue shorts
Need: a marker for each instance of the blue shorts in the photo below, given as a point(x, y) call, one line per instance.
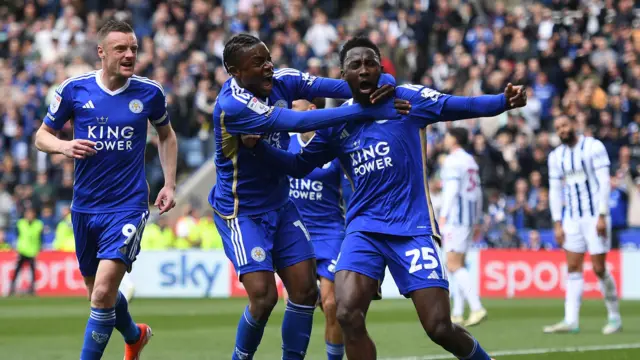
point(113, 236)
point(414, 261)
point(327, 252)
point(265, 242)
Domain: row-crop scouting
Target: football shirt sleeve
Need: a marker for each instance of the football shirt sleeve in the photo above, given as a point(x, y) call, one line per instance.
point(61, 108)
point(308, 87)
point(429, 106)
point(159, 115)
point(258, 118)
point(555, 187)
point(316, 153)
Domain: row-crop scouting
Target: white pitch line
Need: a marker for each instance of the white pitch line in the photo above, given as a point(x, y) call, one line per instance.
point(516, 352)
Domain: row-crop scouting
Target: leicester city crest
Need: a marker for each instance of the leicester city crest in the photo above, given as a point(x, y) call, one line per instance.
point(136, 106)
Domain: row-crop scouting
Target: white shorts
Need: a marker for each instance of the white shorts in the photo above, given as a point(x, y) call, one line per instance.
point(456, 238)
point(580, 236)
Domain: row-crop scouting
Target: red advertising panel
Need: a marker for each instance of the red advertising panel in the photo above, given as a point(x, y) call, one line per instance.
point(237, 289)
point(536, 274)
point(57, 274)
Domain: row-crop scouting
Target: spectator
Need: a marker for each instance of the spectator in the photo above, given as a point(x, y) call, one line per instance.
point(28, 246)
point(618, 205)
point(6, 206)
point(540, 216)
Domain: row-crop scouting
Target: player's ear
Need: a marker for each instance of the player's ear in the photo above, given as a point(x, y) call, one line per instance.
point(233, 70)
point(312, 107)
point(100, 52)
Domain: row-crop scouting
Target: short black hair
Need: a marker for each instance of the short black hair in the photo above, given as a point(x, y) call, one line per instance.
point(358, 41)
point(235, 45)
point(113, 25)
point(461, 135)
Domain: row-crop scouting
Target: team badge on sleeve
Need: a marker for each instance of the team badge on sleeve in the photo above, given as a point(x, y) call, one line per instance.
point(136, 106)
point(55, 104)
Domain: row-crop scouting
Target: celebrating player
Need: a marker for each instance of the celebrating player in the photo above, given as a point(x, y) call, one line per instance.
point(321, 199)
point(579, 167)
point(390, 219)
point(261, 228)
point(461, 210)
point(110, 109)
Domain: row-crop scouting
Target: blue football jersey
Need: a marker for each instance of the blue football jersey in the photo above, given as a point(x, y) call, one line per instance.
point(386, 161)
point(114, 178)
point(245, 185)
point(320, 198)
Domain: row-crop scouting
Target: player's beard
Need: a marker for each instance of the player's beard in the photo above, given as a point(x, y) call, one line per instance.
point(570, 139)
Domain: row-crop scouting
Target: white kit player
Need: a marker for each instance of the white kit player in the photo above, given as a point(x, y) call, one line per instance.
point(579, 169)
point(459, 220)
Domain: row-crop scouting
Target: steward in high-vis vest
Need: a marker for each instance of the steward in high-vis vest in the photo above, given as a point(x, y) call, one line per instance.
point(28, 246)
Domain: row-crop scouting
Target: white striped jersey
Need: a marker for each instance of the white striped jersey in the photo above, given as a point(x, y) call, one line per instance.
point(461, 190)
point(576, 168)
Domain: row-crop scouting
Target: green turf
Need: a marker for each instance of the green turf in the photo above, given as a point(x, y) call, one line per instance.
point(47, 329)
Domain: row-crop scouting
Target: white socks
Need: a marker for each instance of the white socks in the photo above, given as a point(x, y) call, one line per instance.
point(463, 282)
point(610, 294)
point(573, 298)
point(458, 299)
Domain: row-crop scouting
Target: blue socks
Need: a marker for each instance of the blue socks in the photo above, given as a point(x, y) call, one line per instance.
point(248, 336)
point(96, 335)
point(478, 353)
point(296, 330)
point(124, 323)
point(335, 351)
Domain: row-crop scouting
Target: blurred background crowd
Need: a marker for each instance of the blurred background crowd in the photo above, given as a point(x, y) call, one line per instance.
point(577, 58)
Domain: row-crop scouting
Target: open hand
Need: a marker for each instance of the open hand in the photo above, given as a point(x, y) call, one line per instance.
point(250, 141)
point(516, 96)
point(382, 93)
point(402, 106)
point(78, 148)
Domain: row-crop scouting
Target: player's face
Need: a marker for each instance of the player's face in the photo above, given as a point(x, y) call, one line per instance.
point(448, 141)
point(255, 70)
point(564, 129)
point(119, 52)
point(361, 70)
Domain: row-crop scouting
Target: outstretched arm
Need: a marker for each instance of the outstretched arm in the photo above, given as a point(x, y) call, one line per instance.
point(316, 153)
point(258, 118)
point(430, 106)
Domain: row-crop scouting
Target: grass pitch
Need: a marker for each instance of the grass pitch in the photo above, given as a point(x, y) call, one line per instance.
point(203, 329)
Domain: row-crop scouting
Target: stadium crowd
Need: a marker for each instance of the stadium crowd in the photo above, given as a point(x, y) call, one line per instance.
point(576, 58)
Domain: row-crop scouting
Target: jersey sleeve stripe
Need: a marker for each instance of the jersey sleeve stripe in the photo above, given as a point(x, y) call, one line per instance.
point(150, 82)
point(291, 73)
point(159, 121)
point(72, 79)
point(286, 70)
point(238, 93)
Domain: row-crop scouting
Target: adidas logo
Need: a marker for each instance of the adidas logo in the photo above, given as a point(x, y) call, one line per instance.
point(88, 105)
point(433, 276)
point(344, 134)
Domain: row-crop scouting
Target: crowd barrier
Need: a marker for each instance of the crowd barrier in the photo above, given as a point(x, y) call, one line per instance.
point(201, 274)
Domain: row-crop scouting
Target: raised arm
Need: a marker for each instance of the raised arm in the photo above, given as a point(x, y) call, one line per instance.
point(430, 106)
point(258, 118)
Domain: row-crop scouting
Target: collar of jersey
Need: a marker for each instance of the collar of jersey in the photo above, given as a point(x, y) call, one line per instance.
point(104, 88)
